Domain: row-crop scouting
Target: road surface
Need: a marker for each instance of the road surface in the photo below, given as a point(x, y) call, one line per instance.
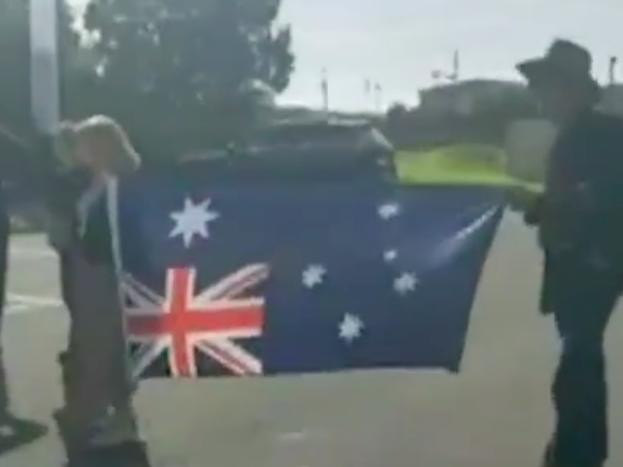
point(495, 413)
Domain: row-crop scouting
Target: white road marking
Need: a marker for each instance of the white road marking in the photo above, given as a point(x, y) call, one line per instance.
point(15, 308)
point(292, 437)
point(32, 253)
point(36, 300)
point(18, 303)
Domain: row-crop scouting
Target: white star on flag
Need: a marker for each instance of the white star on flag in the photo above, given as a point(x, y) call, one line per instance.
point(389, 210)
point(390, 256)
point(351, 328)
point(314, 275)
point(193, 220)
point(406, 283)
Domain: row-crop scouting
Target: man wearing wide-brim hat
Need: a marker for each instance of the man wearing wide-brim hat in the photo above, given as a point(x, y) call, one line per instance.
point(580, 223)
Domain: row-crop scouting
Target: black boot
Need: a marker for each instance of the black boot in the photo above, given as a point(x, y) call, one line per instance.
point(549, 460)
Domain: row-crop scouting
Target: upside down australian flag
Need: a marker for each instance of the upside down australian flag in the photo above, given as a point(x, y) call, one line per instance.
point(239, 279)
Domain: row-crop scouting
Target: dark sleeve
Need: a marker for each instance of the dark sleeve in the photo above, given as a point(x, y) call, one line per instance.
point(607, 190)
point(60, 197)
point(28, 166)
point(97, 239)
point(15, 163)
point(62, 189)
point(604, 205)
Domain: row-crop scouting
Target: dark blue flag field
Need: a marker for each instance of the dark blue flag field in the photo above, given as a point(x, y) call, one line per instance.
point(247, 279)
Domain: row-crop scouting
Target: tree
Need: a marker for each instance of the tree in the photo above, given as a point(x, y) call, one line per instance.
point(396, 115)
point(177, 72)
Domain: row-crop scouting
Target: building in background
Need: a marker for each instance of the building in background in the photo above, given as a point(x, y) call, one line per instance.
point(464, 98)
point(613, 99)
point(472, 111)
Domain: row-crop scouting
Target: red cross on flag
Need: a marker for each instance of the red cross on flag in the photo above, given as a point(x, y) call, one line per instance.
point(182, 323)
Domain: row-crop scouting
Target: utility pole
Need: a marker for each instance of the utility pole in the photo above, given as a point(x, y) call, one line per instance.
point(44, 59)
point(456, 66)
point(452, 76)
point(367, 92)
point(324, 89)
point(612, 71)
point(378, 97)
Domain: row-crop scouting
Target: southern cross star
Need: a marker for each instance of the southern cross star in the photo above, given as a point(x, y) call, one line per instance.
point(390, 256)
point(406, 283)
point(351, 328)
point(314, 275)
point(193, 220)
point(389, 210)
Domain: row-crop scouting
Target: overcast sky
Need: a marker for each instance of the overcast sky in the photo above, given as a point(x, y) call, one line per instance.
point(400, 42)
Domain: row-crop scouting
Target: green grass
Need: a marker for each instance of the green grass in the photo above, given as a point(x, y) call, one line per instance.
point(457, 165)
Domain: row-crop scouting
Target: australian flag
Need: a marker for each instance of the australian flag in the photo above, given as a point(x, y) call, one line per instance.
point(241, 279)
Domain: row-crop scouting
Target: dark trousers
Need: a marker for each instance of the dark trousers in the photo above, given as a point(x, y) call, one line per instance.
point(582, 312)
point(96, 382)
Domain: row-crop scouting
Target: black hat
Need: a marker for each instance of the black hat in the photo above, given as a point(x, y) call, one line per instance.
point(565, 60)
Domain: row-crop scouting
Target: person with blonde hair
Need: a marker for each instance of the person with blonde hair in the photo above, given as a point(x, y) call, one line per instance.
point(102, 144)
point(97, 423)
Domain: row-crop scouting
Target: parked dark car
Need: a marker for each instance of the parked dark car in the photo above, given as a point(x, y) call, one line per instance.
point(307, 151)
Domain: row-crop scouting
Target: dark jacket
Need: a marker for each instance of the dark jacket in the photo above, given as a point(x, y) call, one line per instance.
point(95, 241)
point(580, 216)
point(97, 245)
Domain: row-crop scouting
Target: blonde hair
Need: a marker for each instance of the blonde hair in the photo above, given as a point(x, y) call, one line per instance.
point(109, 144)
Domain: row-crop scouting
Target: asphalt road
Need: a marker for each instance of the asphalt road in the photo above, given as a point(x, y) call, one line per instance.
point(495, 413)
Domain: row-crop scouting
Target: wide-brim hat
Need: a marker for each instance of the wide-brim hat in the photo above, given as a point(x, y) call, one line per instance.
point(565, 61)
